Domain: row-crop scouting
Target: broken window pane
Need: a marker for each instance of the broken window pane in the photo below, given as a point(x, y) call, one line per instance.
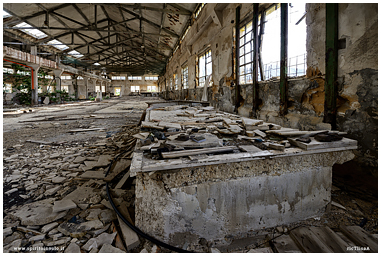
point(205, 67)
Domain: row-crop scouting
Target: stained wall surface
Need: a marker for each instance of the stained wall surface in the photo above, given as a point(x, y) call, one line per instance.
point(357, 101)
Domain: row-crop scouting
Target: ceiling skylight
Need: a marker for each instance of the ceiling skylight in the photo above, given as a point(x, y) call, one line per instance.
point(58, 44)
point(97, 64)
point(33, 32)
point(5, 14)
point(76, 54)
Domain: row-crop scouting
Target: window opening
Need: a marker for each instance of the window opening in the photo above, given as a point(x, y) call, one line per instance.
point(184, 77)
point(135, 88)
point(204, 67)
point(151, 88)
point(176, 81)
point(246, 54)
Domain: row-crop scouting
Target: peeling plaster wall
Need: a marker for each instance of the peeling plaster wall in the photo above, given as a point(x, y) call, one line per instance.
point(357, 74)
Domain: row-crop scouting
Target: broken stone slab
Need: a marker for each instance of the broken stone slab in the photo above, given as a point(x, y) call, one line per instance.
point(52, 191)
point(28, 231)
point(104, 160)
point(83, 206)
point(79, 159)
point(99, 231)
point(108, 248)
point(93, 215)
point(56, 236)
point(11, 191)
point(131, 239)
point(38, 248)
point(49, 227)
point(7, 231)
point(80, 195)
point(37, 213)
point(64, 240)
point(100, 240)
point(37, 238)
point(46, 101)
point(260, 133)
point(79, 230)
point(58, 179)
point(261, 250)
point(92, 175)
point(13, 247)
point(106, 203)
point(53, 156)
point(107, 216)
point(276, 146)
point(73, 248)
point(63, 205)
point(214, 250)
point(33, 227)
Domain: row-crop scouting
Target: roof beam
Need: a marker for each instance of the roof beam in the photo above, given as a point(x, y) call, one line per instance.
point(181, 11)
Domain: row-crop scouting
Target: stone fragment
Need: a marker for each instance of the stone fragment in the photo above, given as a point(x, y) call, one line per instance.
point(108, 248)
point(33, 227)
point(56, 236)
point(93, 224)
point(37, 238)
point(260, 133)
point(79, 159)
point(95, 199)
point(131, 239)
point(53, 231)
point(90, 244)
point(99, 231)
point(13, 247)
point(93, 215)
point(56, 155)
point(73, 248)
point(94, 250)
point(93, 175)
point(49, 227)
point(214, 250)
point(27, 230)
point(144, 251)
point(107, 216)
point(83, 206)
point(261, 250)
point(71, 229)
point(52, 191)
point(80, 195)
point(46, 101)
point(31, 187)
point(63, 205)
point(7, 231)
point(64, 240)
point(11, 191)
point(58, 179)
point(106, 203)
point(38, 248)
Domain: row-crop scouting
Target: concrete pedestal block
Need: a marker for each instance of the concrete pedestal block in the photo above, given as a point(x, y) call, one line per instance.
point(233, 199)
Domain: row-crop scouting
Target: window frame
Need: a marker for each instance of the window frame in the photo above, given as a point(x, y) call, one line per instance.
point(208, 54)
point(185, 77)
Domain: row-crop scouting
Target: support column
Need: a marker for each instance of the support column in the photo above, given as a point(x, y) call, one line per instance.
point(255, 60)
point(57, 75)
point(35, 82)
point(331, 62)
point(283, 58)
point(86, 82)
point(237, 87)
point(75, 85)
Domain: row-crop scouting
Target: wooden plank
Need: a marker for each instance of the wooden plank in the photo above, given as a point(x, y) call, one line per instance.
point(261, 250)
point(284, 244)
point(192, 152)
point(86, 130)
point(308, 242)
point(118, 240)
point(122, 181)
point(314, 144)
point(136, 164)
point(333, 241)
point(360, 237)
point(120, 166)
point(249, 148)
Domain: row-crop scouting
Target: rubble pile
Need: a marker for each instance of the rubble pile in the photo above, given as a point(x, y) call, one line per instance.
point(55, 198)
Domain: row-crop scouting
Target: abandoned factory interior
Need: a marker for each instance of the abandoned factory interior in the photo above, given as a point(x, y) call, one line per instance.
point(190, 127)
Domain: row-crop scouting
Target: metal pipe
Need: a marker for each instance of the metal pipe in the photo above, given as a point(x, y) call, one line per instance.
point(237, 86)
point(255, 59)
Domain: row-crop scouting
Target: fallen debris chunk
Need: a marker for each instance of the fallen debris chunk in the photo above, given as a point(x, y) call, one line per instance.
point(108, 248)
point(63, 205)
point(250, 124)
point(276, 146)
point(48, 227)
point(73, 248)
point(92, 175)
point(249, 148)
point(338, 205)
point(260, 133)
point(131, 239)
point(191, 152)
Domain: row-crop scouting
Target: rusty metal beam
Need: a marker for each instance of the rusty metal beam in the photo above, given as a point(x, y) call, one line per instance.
point(331, 62)
point(260, 40)
point(255, 59)
point(283, 58)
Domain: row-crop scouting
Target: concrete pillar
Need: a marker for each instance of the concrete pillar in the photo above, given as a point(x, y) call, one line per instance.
point(75, 85)
point(33, 50)
point(35, 82)
point(57, 75)
point(86, 82)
